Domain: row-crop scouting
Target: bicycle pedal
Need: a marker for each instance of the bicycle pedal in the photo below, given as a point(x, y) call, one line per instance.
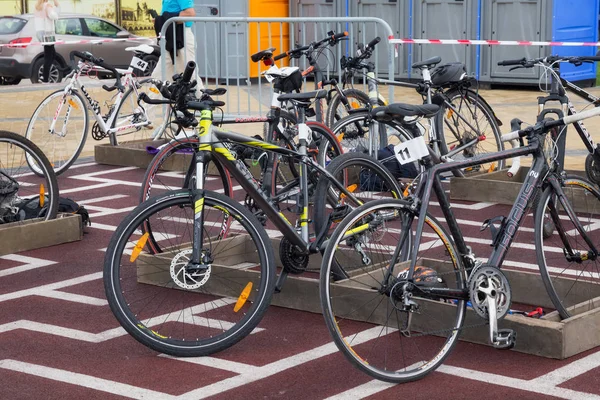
point(339, 213)
point(505, 339)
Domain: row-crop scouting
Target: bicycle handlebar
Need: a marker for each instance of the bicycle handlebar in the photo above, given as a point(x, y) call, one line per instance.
point(99, 62)
point(331, 40)
point(373, 42)
point(529, 63)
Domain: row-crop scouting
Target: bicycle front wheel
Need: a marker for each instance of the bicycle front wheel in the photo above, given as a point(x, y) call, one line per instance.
point(181, 309)
point(569, 271)
point(59, 127)
point(389, 328)
point(338, 110)
point(468, 129)
point(23, 194)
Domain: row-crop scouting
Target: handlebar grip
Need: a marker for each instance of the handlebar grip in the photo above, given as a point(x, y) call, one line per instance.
point(189, 71)
point(280, 56)
point(144, 97)
point(339, 35)
point(373, 42)
point(511, 136)
point(589, 58)
point(109, 88)
point(513, 62)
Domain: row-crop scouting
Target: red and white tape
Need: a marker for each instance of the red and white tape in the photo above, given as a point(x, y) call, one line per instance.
point(491, 42)
point(82, 41)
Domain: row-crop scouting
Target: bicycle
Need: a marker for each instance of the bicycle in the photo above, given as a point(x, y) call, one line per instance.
point(557, 93)
point(59, 124)
point(462, 129)
point(413, 297)
point(201, 264)
point(23, 194)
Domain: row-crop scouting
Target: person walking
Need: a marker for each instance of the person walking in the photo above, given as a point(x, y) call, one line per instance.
point(177, 59)
point(46, 12)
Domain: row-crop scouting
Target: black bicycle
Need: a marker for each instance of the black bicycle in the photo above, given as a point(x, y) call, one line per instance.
point(399, 314)
point(191, 272)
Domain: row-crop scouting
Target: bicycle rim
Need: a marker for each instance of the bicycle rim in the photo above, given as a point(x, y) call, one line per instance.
point(572, 284)
point(62, 145)
point(171, 309)
point(365, 313)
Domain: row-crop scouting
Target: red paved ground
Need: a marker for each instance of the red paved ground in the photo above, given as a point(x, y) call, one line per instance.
point(59, 340)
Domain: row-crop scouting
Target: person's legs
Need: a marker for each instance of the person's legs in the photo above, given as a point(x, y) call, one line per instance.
point(49, 54)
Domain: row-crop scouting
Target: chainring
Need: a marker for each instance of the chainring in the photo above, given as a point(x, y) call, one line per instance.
point(293, 260)
point(485, 279)
point(97, 133)
point(592, 169)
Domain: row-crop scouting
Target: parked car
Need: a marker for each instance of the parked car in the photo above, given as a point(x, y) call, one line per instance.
point(17, 62)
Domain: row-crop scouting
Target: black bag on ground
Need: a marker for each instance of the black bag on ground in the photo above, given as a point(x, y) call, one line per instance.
point(29, 209)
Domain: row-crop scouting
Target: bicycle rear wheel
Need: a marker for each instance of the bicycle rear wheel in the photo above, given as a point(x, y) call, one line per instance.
point(19, 187)
point(173, 309)
point(572, 282)
point(369, 314)
point(63, 144)
point(470, 119)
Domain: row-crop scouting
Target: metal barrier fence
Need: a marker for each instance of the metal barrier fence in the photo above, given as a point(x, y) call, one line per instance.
point(224, 46)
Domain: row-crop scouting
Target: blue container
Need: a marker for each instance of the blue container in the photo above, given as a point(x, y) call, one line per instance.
point(575, 21)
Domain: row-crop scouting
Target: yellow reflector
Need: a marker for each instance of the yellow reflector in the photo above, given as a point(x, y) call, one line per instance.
point(73, 104)
point(243, 297)
point(354, 104)
point(341, 136)
point(42, 195)
point(406, 191)
point(450, 113)
point(154, 90)
point(351, 189)
point(492, 167)
point(139, 246)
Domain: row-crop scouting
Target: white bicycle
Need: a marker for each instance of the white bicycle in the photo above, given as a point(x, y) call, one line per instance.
point(60, 123)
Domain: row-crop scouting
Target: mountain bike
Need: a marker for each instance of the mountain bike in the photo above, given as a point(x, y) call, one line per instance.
point(210, 274)
point(400, 313)
point(557, 93)
point(24, 194)
point(60, 123)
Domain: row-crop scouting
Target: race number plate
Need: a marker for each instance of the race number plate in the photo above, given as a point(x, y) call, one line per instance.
point(411, 150)
point(139, 64)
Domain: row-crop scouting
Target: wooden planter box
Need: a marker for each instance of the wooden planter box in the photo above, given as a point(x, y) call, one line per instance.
point(134, 154)
point(37, 233)
point(494, 187)
point(547, 337)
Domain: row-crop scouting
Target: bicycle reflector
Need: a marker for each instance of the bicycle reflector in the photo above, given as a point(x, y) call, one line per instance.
point(42, 195)
point(268, 62)
point(243, 297)
point(139, 246)
point(73, 104)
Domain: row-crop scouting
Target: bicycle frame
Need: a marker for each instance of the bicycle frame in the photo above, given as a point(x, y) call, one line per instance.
point(212, 141)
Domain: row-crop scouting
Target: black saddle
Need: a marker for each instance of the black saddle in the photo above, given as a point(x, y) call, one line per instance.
point(303, 97)
point(261, 55)
point(429, 63)
point(401, 110)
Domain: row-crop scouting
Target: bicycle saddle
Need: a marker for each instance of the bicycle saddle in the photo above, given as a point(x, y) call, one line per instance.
point(430, 62)
point(142, 48)
point(261, 55)
point(214, 92)
point(303, 97)
point(402, 110)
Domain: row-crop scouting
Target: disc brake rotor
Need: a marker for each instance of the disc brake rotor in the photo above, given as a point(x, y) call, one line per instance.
point(183, 278)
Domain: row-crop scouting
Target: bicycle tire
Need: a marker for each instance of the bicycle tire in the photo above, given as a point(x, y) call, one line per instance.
point(42, 141)
point(47, 174)
point(568, 282)
point(363, 176)
point(190, 318)
point(365, 312)
point(488, 127)
point(336, 109)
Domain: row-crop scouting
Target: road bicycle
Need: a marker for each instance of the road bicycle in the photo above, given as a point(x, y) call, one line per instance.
point(400, 313)
point(23, 194)
point(557, 92)
point(466, 126)
point(210, 275)
point(60, 123)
